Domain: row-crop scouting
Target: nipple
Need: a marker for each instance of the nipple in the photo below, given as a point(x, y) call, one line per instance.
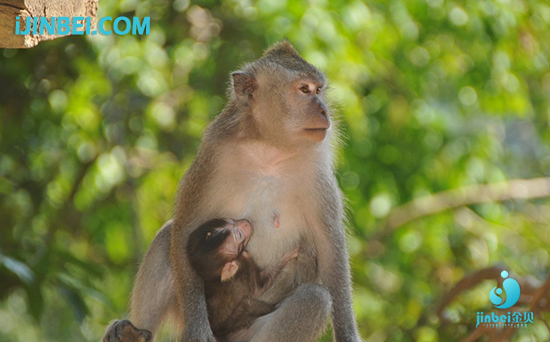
point(276, 220)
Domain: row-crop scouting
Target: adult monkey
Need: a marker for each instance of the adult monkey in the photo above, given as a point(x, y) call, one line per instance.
point(267, 158)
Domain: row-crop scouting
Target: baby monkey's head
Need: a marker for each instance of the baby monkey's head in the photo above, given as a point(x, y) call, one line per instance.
point(215, 247)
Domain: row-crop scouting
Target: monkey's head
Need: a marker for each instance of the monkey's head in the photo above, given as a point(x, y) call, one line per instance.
point(285, 97)
point(215, 246)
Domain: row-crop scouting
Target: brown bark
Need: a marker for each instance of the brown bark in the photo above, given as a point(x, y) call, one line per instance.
point(10, 9)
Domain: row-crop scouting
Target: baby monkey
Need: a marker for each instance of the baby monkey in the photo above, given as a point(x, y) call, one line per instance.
point(232, 280)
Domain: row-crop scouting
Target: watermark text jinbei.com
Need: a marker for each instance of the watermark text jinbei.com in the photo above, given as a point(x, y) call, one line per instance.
point(81, 25)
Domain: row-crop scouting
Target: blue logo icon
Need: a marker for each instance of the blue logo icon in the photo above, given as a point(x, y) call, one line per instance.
point(511, 287)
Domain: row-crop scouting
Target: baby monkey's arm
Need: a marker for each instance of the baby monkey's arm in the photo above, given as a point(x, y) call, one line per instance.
point(268, 274)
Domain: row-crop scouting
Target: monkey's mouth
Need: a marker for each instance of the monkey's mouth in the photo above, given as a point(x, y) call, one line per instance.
point(316, 129)
point(316, 134)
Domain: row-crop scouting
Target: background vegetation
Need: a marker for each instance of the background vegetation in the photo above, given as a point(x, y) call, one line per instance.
point(434, 96)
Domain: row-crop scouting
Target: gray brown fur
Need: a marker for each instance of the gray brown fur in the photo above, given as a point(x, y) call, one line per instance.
point(253, 163)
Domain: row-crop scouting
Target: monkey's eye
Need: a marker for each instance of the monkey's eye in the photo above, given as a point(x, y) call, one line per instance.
point(304, 89)
point(209, 234)
point(318, 90)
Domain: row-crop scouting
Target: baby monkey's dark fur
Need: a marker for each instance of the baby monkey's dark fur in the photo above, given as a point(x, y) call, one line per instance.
point(231, 301)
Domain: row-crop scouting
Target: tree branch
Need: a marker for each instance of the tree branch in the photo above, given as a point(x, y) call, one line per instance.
point(455, 198)
point(468, 282)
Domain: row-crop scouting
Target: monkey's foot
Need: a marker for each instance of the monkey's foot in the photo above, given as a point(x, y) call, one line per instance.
point(125, 331)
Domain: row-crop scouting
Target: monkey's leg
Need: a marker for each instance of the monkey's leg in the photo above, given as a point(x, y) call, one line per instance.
point(153, 296)
point(302, 317)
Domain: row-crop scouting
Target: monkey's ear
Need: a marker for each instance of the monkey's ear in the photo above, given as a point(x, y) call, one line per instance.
point(243, 83)
point(229, 270)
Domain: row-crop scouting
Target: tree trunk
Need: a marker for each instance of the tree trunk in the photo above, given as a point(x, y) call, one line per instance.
point(10, 9)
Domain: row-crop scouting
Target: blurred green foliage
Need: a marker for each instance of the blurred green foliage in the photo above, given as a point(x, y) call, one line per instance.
point(96, 131)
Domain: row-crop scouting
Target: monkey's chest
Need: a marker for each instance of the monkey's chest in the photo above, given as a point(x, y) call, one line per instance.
point(282, 212)
point(279, 213)
point(281, 204)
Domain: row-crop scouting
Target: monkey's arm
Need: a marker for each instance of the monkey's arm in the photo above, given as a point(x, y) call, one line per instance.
point(336, 276)
point(188, 285)
point(335, 270)
point(268, 274)
point(189, 289)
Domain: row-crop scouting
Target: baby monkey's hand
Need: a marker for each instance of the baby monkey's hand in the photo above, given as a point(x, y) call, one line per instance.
point(291, 255)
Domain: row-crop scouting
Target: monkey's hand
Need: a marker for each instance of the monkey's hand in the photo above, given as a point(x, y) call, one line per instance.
point(125, 331)
point(291, 255)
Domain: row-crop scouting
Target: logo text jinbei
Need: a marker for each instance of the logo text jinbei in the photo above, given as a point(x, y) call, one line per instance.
point(515, 319)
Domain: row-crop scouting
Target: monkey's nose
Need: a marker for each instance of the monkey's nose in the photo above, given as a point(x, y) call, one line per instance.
point(322, 109)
